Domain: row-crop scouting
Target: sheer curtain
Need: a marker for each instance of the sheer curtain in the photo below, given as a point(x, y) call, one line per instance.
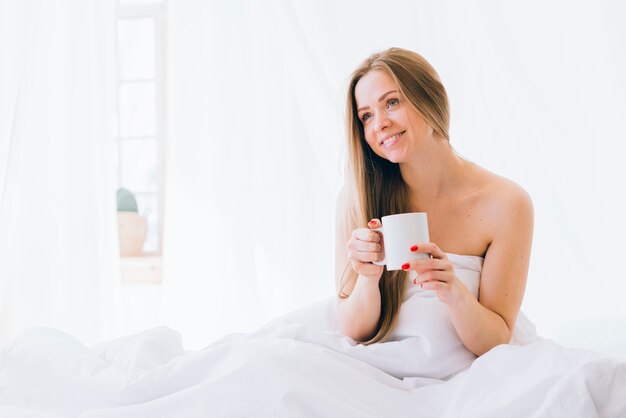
point(255, 144)
point(254, 158)
point(255, 103)
point(57, 215)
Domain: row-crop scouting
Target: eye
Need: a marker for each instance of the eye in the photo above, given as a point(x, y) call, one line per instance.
point(366, 116)
point(392, 103)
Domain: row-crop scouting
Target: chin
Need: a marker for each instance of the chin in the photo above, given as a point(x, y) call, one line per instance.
point(395, 158)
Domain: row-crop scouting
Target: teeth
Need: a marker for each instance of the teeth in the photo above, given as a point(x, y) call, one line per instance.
point(391, 138)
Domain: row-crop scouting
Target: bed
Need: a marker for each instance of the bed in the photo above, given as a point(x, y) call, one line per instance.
point(299, 366)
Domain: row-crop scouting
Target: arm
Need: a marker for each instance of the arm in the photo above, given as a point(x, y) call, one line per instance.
point(489, 321)
point(359, 312)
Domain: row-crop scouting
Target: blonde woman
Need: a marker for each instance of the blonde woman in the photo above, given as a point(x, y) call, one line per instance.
point(400, 160)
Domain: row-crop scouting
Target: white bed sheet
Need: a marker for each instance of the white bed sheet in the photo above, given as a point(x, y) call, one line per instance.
point(295, 367)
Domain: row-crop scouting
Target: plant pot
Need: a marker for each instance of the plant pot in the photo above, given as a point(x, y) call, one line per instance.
point(132, 233)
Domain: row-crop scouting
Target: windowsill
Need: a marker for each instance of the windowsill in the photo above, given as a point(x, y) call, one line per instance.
point(143, 269)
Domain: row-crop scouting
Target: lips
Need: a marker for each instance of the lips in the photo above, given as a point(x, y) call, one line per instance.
point(390, 139)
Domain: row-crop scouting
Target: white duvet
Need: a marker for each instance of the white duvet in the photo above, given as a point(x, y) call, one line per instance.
point(296, 366)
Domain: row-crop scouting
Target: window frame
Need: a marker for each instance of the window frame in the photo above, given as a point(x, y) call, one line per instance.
point(147, 267)
point(156, 11)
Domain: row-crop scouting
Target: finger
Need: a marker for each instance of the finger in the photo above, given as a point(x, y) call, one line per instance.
point(367, 256)
point(434, 285)
point(374, 223)
point(424, 277)
point(358, 245)
point(428, 264)
point(430, 248)
point(434, 276)
point(365, 234)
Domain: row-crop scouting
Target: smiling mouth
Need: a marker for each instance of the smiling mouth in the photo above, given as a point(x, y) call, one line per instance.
point(389, 139)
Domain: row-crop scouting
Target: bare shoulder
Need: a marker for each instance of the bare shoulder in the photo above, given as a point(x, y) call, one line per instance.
point(504, 205)
point(505, 194)
point(507, 210)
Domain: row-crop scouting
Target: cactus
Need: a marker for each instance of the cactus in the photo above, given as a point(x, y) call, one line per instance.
point(126, 201)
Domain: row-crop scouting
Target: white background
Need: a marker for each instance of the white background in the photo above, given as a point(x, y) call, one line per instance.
point(255, 136)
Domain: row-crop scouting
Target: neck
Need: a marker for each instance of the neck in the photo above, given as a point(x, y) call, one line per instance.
point(434, 173)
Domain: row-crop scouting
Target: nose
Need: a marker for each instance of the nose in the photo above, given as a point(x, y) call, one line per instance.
point(381, 122)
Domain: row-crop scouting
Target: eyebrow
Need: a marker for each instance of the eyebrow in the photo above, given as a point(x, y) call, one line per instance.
point(379, 100)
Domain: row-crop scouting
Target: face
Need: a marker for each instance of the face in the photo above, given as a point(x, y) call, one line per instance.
point(393, 129)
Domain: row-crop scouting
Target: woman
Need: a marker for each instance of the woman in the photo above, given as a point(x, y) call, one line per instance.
point(400, 160)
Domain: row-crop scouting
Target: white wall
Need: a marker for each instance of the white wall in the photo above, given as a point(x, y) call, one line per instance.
point(537, 96)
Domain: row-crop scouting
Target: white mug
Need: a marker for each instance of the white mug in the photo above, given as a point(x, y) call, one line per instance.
point(400, 232)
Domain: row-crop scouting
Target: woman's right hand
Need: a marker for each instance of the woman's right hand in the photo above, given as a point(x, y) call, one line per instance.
point(365, 246)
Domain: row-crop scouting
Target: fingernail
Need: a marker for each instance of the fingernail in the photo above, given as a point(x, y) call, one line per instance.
point(406, 266)
point(414, 248)
point(414, 281)
point(372, 223)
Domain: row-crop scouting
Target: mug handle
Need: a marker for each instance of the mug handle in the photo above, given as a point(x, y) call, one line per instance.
point(384, 260)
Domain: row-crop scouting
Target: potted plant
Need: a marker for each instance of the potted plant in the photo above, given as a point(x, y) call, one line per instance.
point(132, 227)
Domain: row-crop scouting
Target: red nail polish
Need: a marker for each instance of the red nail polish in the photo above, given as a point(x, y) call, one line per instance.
point(372, 223)
point(406, 266)
point(414, 281)
point(414, 248)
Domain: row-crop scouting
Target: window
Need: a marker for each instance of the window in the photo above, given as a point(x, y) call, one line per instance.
point(140, 137)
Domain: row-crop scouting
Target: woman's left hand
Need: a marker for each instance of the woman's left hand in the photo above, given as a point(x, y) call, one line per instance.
point(436, 273)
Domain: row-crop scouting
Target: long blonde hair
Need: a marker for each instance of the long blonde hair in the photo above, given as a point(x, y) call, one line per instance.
point(375, 186)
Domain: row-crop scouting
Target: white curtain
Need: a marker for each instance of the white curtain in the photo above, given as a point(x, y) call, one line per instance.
point(255, 144)
point(256, 94)
point(255, 103)
point(57, 215)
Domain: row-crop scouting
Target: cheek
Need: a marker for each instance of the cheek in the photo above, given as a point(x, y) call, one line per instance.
point(370, 137)
point(373, 144)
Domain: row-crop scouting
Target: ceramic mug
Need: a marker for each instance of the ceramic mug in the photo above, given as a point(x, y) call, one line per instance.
point(401, 232)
